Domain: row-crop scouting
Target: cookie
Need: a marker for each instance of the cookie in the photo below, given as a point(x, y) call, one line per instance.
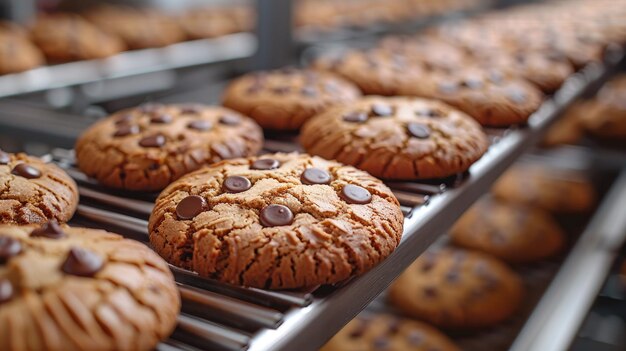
point(513, 233)
point(489, 96)
point(428, 50)
point(397, 138)
point(138, 28)
point(376, 72)
point(17, 53)
point(605, 117)
point(68, 37)
point(64, 288)
point(279, 221)
point(553, 190)
point(569, 128)
point(207, 23)
point(390, 333)
point(147, 147)
point(32, 191)
point(457, 289)
point(285, 99)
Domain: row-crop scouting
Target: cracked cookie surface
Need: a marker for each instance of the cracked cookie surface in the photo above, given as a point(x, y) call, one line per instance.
point(64, 288)
point(397, 138)
point(284, 99)
point(453, 288)
point(512, 232)
point(278, 221)
point(148, 147)
point(387, 332)
point(32, 191)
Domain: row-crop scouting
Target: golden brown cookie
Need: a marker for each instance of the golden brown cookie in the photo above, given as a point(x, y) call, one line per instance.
point(147, 147)
point(68, 37)
point(460, 289)
point(207, 23)
point(65, 288)
point(569, 128)
point(284, 99)
point(32, 191)
point(397, 138)
point(554, 190)
point(389, 333)
point(18, 54)
point(605, 117)
point(138, 28)
point(510, 232)
point(279, 221)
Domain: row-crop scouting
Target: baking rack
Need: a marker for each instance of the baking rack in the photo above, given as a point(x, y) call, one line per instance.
point(218, 316)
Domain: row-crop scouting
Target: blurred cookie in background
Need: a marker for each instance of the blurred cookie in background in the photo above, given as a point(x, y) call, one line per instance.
point(569, 128)
point(17, 52)
point(606, 115)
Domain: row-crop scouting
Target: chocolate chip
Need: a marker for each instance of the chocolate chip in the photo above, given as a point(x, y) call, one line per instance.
point(81, 262)
point(190, 207)
point(4, 158)
point(430, 292)
point(394, 326)
point(360, 328)
point(382, 110)
point(452, 276)
point(309, 91)
point(200, 124)
point(355, 117)
point(236, 184)
point(153, 141)
point(418, 130)
point(230, 120)
point(472, 83)
point(496, 77)
point(9, 247)
point(6, 290)
point(354, 194)
point(517, 95)
point(312, 176)
point(276, 215)
point(415, 338)
point(126, 129)
point(381, 343)
point(254, 88)
point(281, 90)
point(50, 230)
point(123, 119)
point(162, 118)
point(448, 87)
point(190, 109)
point(429, 112)
point(265, 164)
point(26, 171)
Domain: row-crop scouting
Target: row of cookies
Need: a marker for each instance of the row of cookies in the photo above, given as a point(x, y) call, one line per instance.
point(106, 30)
point(603, 117)
point(468, 286)
point(68, 288)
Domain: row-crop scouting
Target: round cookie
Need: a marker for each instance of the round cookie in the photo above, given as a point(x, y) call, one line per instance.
point(457, 289)
point(147, 147)
point(280, 221)
point(138, 28)
point(550, 189)
point(17, 53)
point(65, 288)
point(487, 95)
point(207, 23)
point(32, 191)
point(568, 129)
point(428, 50)
point(285, 99)
point(512, 233)
point(389, 333)
point(606, 114)
point(396, 138)
point(68, 37)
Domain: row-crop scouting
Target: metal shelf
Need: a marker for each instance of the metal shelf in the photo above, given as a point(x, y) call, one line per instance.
point(288, 320)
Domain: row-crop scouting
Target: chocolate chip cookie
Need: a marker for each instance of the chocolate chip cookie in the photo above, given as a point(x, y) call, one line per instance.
point(64, 288)
point(68, 37)
point(285, 99)
point(457, 289)
point(32, 191)
point(489, 96)
point(397, 138)
point(605, 117)
point(207, 23)
point(147, 147)
point(17, 53)
point(278, 221)
point(553, 190)
point(511, 232)
point(390, 333)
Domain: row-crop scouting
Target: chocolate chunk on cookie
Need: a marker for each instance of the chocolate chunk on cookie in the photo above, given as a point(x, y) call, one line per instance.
point(513, 233)
point(415, 139)
point(32, 191)
point(148, 147)
point(92, 290)
point(306, 222)
point(483, 292)
point(385, 332)
point(285, 99)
